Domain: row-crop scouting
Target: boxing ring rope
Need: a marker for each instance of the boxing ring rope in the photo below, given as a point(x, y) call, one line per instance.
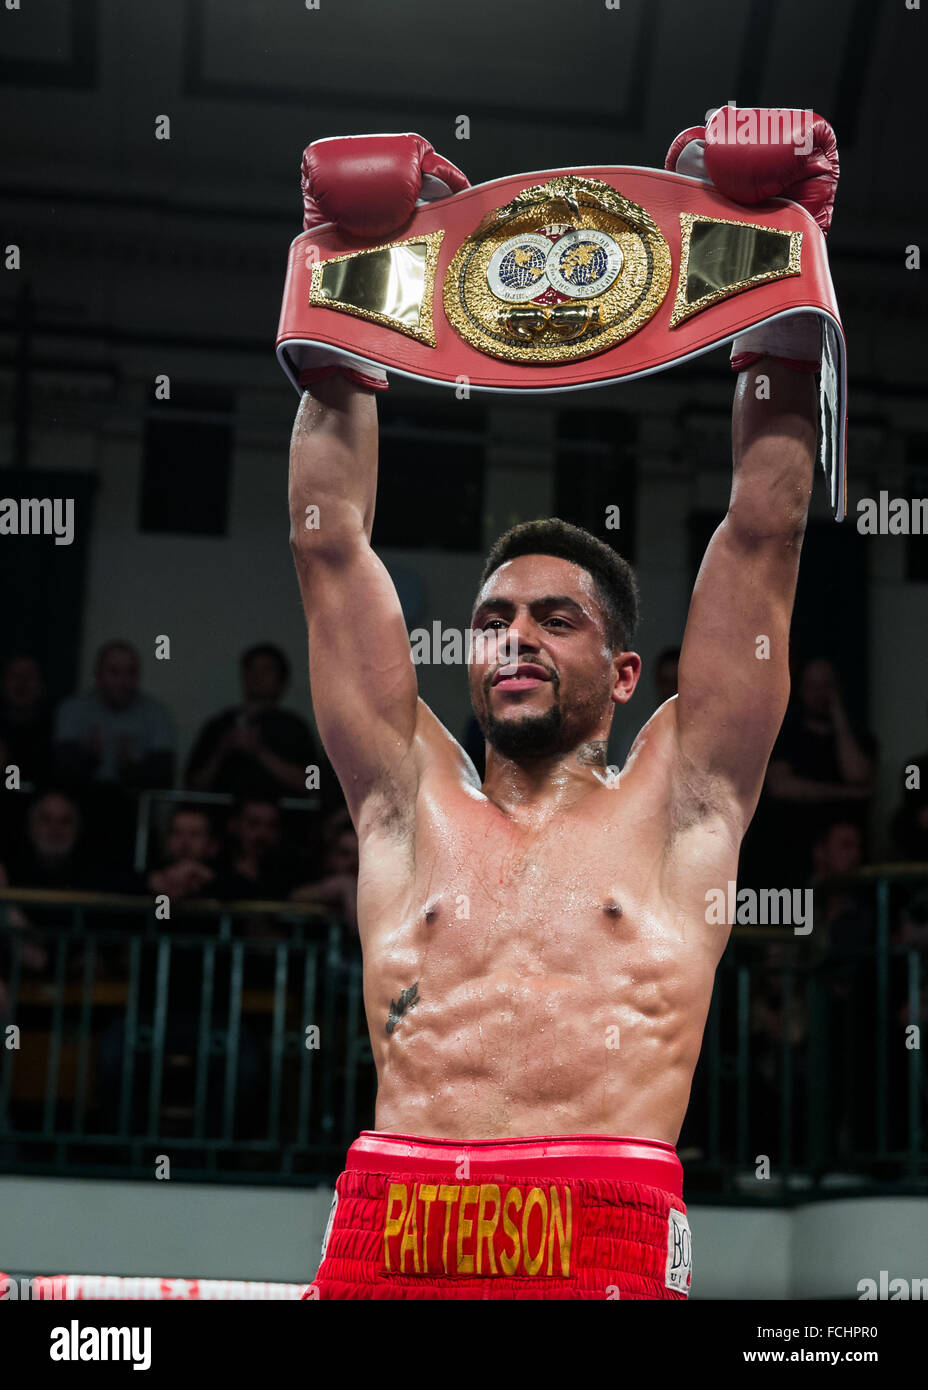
point(99, 1287)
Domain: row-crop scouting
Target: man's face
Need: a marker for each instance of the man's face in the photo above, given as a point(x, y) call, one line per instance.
point(542, 678)
point(261, 678)
point(22, 684)
point(118, 678)
point(842, 850)
point(257, 827)
point(53, 827)
point(189, 837)
point(817, 688)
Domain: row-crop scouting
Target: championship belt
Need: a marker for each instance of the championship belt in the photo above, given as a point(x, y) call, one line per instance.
point(566, 279)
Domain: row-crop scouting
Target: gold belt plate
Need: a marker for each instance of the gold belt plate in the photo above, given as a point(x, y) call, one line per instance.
point(564, 271)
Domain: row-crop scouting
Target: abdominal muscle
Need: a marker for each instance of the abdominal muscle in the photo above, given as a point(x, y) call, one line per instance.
point(507, 1052)
point(541, 979)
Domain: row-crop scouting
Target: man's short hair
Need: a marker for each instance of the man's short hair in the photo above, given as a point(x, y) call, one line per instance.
point(15, 656)
point(614, 578)
point(115, 644)
point(43, 794)
point(275, 653)
point(826, 832)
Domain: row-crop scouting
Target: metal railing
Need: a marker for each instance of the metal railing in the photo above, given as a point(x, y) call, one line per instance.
point(162, 800)
point(153, 806)
point(231, 1040)
point(811, 1073)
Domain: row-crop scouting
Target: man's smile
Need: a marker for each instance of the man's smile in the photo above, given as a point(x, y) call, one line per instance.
point(524, 676)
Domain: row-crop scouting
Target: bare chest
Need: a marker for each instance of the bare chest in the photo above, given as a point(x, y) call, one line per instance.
point(482, 894)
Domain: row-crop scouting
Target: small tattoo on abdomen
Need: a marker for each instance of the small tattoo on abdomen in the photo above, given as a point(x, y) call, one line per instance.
point(408, 999)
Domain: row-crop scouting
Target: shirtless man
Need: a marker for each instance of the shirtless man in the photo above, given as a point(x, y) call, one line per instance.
point(538, 965)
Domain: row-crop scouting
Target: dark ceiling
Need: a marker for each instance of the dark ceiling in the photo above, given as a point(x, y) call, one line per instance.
point(544, 83)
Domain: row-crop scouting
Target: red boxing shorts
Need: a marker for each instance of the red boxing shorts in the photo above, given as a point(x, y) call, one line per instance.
point(568, 1217)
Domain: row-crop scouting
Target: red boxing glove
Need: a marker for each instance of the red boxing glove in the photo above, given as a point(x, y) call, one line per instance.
point(368, 185)
point(687, 154)
point(751, 154)
point(756, 153)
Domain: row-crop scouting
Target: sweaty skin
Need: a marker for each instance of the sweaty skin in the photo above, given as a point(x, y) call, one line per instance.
point(537, 958)
point(562, 956)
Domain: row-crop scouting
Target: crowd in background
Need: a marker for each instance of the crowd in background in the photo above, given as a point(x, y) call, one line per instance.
point(94, 802)
point(87, 760)
point(73, 825)
point(69, 814)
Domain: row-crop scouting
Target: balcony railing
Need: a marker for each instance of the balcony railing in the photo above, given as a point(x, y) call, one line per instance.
point(230, 1039)
point(230, 1042)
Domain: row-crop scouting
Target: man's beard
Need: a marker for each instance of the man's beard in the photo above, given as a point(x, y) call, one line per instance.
point(531, 737)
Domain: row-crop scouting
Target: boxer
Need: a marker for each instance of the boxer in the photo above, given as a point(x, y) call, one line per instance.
point(538, 965)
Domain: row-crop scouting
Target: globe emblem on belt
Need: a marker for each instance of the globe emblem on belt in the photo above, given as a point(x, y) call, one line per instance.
point(521, 267)
point(517, 270)
point(566, 269)
point(584, 263)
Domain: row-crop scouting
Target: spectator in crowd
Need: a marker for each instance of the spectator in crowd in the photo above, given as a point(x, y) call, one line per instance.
point(910, 823)
point(110, 742)
point(255, 864)
point(841, 911)
point(188, 871)
point(838, 850)
point(114, 733)
point(821, 769)
point(912, 933)
point(255, 749)
point(53, 825)
point(25, 720)
point(188, 868)
point(772, 1018)
point(52, 856)
point(337, 889)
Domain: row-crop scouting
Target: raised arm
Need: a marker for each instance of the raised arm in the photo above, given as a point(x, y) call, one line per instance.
point(361, 672)
point(734, 672)
point(734, 668)
point(360, 665)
